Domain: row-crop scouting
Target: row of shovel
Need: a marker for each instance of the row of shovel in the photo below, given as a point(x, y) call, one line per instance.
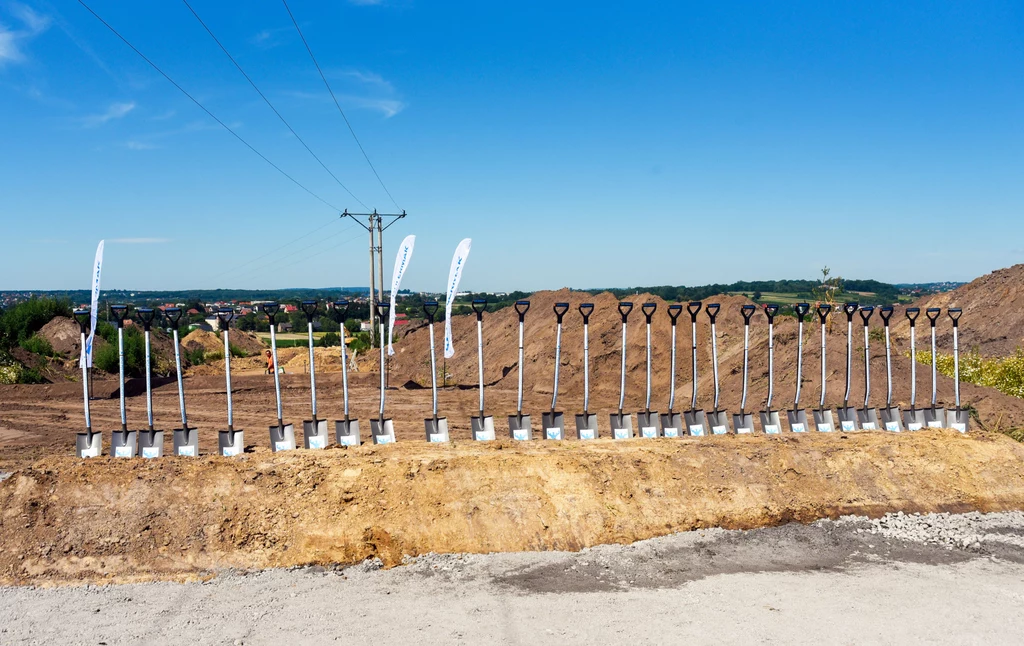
point(695, 422)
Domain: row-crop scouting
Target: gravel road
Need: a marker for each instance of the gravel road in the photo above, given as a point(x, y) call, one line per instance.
point(940, 578)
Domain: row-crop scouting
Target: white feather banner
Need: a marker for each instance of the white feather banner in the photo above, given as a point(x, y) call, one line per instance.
point(401, 262)
point(454, 276)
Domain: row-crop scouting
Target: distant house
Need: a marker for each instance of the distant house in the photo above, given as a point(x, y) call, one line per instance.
point(364, 326)
point(290, 308)
point(401, 319)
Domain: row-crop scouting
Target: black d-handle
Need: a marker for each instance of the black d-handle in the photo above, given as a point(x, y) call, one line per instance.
point(586, 309)
point(560, 310)
point(866, 312)
point(886, 312)
point(850, 309)
point(625, 307)
point(954, 314)
point(430, 309)
point(649, 309)
point(747, 311)
point(479, 306)
point(933, 313)
point(522, 307)
point(711, 309)
point(801, 310)
point(383, 307)
point(674, 311)
point(119, 311)
point(224, 315)
point(770, 310)
point(82, 317)
point(824, 309)
point(341, 309)
point(173, 316)
point(271, 310)
point(309, 307)
point(146, 316)
point(912, 314)
point(693, 307)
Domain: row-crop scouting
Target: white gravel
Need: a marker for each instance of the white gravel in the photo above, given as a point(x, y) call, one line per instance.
point(970, 531)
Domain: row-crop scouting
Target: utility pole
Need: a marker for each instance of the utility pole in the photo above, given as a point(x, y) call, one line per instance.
point(375, 221)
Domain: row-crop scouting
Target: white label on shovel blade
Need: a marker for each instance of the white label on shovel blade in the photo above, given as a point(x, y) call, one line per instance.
point(671, 431)
point(382, 439)
point(743, 430)
point(824, 428)
point(848, 426)
point(914, 426)
point(621, 433)
point(150, 452)
point(869, 426)
point(772, 429)
point(348, 440)
point(554, 433)
point(279, 446)
point(649, 431)
point(122, 451)
point(484, 436)
point(960, 427)
point(520, 434)
point(91, 453)
point(719, 430)
point(892, 426)
point(934, 424)
point(586, 433)
point(231, 451)
point(438, 437)
point(697, 430)
point(317, 442)
point(798, 428)
point(187, 450)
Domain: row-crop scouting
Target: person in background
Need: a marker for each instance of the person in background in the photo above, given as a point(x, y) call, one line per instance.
point(270, 362)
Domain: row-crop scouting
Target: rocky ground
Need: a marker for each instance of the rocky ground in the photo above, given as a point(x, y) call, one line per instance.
point(937, 578)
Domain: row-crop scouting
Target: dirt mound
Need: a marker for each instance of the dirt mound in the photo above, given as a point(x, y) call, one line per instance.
point(64, 336)
point(112, 520)
point(208, 341)
point(248, 342)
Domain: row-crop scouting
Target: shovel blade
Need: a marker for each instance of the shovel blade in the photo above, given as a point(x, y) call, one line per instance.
point(892, 419)
point(649, 424)
point(586, 426)
point(282, 438)
point(770, 423)
point(718, 421)
point(867, 418)
point(436, 428)
point(958, 419)
point(743, 423)
point(847, 418)
point(89, 445)
point(186, 442)
point(314, 433)
point(823, 421)
point(483, 428)
point(124, 444)
point(382, 431)
point(797, 420)
point(520, 427)
point(622, 426)
point(346, 432)
point(231, 443)
point(913, 419)
point(671, 425)
point(554, 425)
point(935, 417)
point(696, 423)
point(151, 444)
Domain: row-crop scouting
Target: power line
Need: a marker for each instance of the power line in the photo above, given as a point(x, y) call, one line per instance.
point(338, 105)
point(203, 108)
point(307, 258)
point(277, 249)
point(271, 105)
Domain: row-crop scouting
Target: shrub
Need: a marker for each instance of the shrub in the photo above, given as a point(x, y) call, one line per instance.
point(361, 343)
point(1005, 374)
point(38, 345)
point(21, 321)
point(331, 339)
point(236, 352)
point(196, 356)
point(134, 353)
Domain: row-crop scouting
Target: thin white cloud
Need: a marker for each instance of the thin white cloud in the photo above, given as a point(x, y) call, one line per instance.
point(140, 240)
point(13, 41)
point(387, 107)
point(360, 89)
point(115, 111)
point(366, 3)
point(367, 78)
point(134, 144)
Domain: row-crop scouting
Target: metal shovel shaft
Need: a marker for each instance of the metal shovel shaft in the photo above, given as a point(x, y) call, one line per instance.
point(935, 387)
point(647, 405)
point(227, 379)
point(714, 361)
point(771, 364)
point(149, 384)
point(867, 369)
point(344, 372)
point(913, 368)
point(746, 350)
point(382, 369)
point(181, 386)
point(849, 359)
point(672, 370)
point(799, 363)
point(519, 396)
point(888, 369)
point(312, 368)
point(120, 367)
point(85, 384)
point(622, 372)
point(277, 376)
point(558, 361)
point(586, 368)
point(956, 364)
point(480, 361)
point(693, 354)
point(433, 372)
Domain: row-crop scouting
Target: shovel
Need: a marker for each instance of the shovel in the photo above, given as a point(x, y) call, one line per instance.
point(848, 414)
point(88, 444)
point(436, 427)
point(867, 416)
point(891, 417)
point(123, 443)
point(934, 417)
point(314, 431)
point(346, 431)
point(647, 421)
point(554, 421)
point(957, 418)
point(186, 439)
point(282, 436)
point(770, 423)
point(519, 427)
point(798, 416)
point(913, 419)
point(483, 426)
point(230, 442)
point(743, 422)
point(717, 419)
point(586, 424)
point(672, 422)
point(622, 423)
point(382, 429)
point(696, 421)
point(823, 421)
point(151, 441)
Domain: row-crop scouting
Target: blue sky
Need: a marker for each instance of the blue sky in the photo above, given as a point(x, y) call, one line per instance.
point(579, 144)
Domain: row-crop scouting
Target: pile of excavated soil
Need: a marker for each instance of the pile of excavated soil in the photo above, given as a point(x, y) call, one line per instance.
point(64, 336)
point(248, 342)
point(110, 520)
